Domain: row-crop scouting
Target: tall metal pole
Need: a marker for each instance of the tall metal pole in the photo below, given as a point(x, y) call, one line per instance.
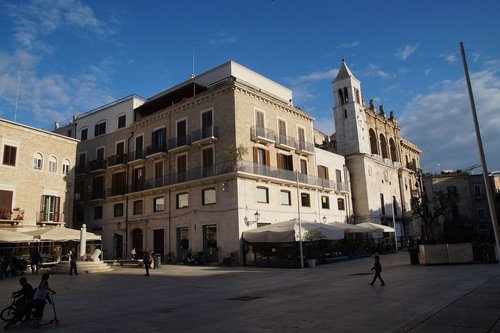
point(487, 183)
point(300, 222)
point(394, 224)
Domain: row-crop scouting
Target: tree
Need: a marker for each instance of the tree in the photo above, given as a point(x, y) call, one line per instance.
point(430, 210)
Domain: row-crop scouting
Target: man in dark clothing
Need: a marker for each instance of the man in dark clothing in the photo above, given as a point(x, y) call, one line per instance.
point(146, 261)
point(378, 269)
point(72, 263)
point(35, 261)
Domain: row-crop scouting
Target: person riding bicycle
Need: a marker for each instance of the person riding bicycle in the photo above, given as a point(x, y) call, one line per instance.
point(24, 294)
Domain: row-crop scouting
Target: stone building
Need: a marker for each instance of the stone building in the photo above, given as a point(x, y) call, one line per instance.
point(470, 203)
point(382, 164)
point(36, 177)
point(221, 153)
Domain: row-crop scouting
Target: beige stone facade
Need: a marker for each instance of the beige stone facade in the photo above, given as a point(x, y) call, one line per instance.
point(174, 188)
point(382, 184)
point(36, 177)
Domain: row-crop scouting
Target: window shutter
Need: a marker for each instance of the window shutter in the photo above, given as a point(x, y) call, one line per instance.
point(279, 161)
point(268, 158)
point(56, 209)
point(255, 155)
point(327, 175)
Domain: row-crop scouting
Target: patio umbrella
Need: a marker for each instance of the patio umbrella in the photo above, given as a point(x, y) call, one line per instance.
point(60, 234)
point(14, 237)
point(351, 228)
point(376, 227)
point(288, 231)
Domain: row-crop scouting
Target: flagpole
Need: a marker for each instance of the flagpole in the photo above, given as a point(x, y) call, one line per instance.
point(300, 222)
point(487, 183)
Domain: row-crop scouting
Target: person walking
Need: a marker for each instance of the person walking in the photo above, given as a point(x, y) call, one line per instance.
point(36, 259)
point(133, 253)
point(146, 260)
point(40, 298)
point(72, 263)
point(377, 267)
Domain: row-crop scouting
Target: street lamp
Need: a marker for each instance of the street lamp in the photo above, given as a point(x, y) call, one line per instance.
point(257, 216)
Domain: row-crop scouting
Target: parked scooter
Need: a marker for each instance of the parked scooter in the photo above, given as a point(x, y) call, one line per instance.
point(193, 260)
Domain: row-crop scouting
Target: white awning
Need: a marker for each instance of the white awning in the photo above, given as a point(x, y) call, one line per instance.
point(288, 231)
point(375, 227)
point(7, 236)
point(60, 234)
point(351, 228)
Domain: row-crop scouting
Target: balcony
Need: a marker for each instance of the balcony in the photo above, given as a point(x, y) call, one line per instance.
point(98, 194)
point(304, 148)
point(156, 150)
point(136, 156)
point(97, 166)
point(116, 191)
point(205, 136)
point(117, 160)
point(179, 144)
point(262, 135)
point(285, 142)
point(230, 167)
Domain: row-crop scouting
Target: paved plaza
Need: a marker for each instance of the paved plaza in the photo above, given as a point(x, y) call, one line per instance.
point(328, 298)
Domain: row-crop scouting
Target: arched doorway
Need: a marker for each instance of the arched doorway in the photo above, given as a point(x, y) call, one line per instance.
point(117, 246)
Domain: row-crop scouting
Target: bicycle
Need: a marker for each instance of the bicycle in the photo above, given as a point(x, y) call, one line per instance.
point(170, 258)
point(7, 313)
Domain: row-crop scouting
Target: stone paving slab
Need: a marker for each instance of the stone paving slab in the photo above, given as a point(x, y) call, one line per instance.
point(327, 298)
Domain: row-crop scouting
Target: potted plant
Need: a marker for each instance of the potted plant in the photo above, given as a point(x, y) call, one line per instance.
point(5, 213)
point(313, 236)
point(235, 154)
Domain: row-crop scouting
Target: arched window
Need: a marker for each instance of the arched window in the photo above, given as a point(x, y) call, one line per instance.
point(66, 166)
point(37, 161)
point(356, 91)
point(341, 97)
point(52, 164)
point(383, 146)
point(394, 155)
point(346, 96)
point(373, 142)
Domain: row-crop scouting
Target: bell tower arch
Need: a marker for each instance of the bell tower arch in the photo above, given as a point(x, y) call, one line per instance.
point(349, 114)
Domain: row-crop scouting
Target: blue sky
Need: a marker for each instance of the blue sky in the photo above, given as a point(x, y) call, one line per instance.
point(72, 56)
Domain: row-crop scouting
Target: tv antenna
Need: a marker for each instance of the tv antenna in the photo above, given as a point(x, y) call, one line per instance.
point(192, 73)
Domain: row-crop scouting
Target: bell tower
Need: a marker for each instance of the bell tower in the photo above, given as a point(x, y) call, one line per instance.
point(349, 113)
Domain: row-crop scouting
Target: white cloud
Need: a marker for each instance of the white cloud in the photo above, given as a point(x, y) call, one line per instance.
point(49, 96)
point(405, 52)
point(351, 45)
point(376, 72)
point(325, 125)
point(450, 58)
point(328, 74)
point(35, 19)
point(440, 123)
point(222, 38)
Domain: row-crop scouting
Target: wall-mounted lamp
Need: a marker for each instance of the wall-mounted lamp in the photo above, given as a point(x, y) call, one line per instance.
point(256, 217)
point(324, 219)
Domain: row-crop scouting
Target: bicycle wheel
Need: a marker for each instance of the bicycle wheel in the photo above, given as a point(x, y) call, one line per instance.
point(7, 313)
